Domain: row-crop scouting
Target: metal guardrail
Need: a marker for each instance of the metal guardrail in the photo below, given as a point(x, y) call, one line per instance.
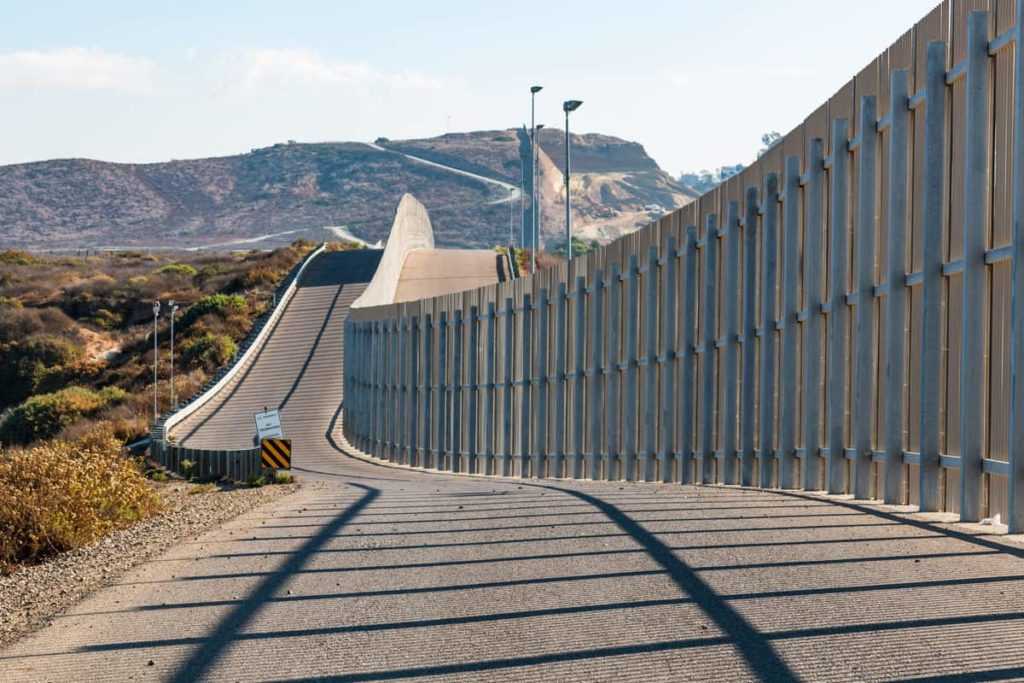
point(170, 456)
point(236, 465)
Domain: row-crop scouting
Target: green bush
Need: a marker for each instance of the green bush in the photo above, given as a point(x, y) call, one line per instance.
point(24, 363)
point(223, 305)
point(208, 351)
point(15, 257)
point(44, 415)
point(183, 269)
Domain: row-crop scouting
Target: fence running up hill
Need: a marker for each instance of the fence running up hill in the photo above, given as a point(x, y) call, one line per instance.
point(845, 315)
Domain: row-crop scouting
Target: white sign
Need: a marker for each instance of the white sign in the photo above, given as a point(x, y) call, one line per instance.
point(268, 425)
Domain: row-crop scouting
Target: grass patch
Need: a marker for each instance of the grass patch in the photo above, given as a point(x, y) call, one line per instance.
point(62, 495)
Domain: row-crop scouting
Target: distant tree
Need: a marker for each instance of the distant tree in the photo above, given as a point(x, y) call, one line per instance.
point(769, 140)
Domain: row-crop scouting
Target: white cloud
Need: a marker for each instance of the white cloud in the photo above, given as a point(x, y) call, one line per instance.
point(76, 68)
point(291, 66)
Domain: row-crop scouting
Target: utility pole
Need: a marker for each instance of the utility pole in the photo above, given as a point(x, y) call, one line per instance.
point(156, 356)
point(174, 309)
point(533, 174)
point(568, 106)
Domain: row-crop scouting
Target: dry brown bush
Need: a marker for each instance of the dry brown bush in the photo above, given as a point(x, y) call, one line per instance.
point(62, 495)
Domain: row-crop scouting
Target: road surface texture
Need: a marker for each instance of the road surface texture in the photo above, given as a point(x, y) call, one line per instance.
point(382, 573)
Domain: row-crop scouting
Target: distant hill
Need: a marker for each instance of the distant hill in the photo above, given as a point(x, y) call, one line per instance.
point(276, 194)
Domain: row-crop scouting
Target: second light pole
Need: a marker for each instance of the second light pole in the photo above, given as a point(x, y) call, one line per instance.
point(533, 174)
point(568, 106)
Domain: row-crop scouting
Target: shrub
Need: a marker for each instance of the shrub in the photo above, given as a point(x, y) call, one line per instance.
point(24, 364)
point(63, 495)
point(223, 305)
point(45, 415)
point(182, 269)
point(208, 351)
point(15, 257)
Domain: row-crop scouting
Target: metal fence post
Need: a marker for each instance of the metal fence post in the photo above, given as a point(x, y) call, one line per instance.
point(557, 466)
point(474, 389)
point(489, 395)
point(788, 389)
point(669, 353)
point(540, 448)
point(688, 420)
point(749, 393)
point(597, 386)
point(427, 450)
point(651, 358)
point(864, 292)
point(932, 284)
point(613, 404)
point(707, 450)
point(443, 386)
point(402, 393)
point(838, 312)
point(506, 448)
point(1015, 520)
point(455, 463)
point(730, 360)
point(896, 303)
point(975, 228)
point(814, 225)
point(769, 276)
point(526, 423)
point(629, 407)
point(414, 382)
point(579, 354)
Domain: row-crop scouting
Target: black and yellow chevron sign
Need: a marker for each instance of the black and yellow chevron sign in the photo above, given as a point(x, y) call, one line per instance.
point(276, 453)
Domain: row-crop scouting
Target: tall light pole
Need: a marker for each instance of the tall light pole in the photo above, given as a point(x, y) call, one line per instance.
point(568, 106)
point(536, 195)
point(174, 309)
point(156, 356)
point(533, 162)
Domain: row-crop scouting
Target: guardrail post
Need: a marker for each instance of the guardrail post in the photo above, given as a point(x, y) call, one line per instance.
point(769, 270)
point(597, 386)
point(455, 463)
point(838, 312)
point(975, 228)
point(813, 300)
point(540, 448)
point(1015, 518)
point(489, 395)
point(748, 385)
point(707, 450)
point(525, 416)
point(730, 358)
point(506, 449)
point(651, 343)
point(474, 388)
point(788, 389)
point(562, 389)
point(579, 355)
point(629, 408)
point(932, 279)
point(896, 303)
point(668, 367)
point(688, 421)
point(613, 403)
point(864, 350)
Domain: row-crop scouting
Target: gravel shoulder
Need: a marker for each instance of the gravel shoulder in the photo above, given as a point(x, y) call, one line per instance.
point(33, 595)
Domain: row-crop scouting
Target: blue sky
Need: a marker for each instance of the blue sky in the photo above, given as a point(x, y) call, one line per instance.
point(695, 82)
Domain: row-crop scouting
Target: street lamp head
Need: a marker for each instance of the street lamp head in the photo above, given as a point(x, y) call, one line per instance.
point(536, 89)
point(539, 126)
point(571, 105)
point(156, 307)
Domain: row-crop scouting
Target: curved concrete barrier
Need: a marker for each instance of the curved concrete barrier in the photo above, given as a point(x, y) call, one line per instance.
point(410, 231)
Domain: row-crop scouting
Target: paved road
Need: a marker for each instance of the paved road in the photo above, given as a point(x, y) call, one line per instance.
point(376, 573)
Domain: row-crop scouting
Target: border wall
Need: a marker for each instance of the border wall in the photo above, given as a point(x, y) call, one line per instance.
point(844, 315)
